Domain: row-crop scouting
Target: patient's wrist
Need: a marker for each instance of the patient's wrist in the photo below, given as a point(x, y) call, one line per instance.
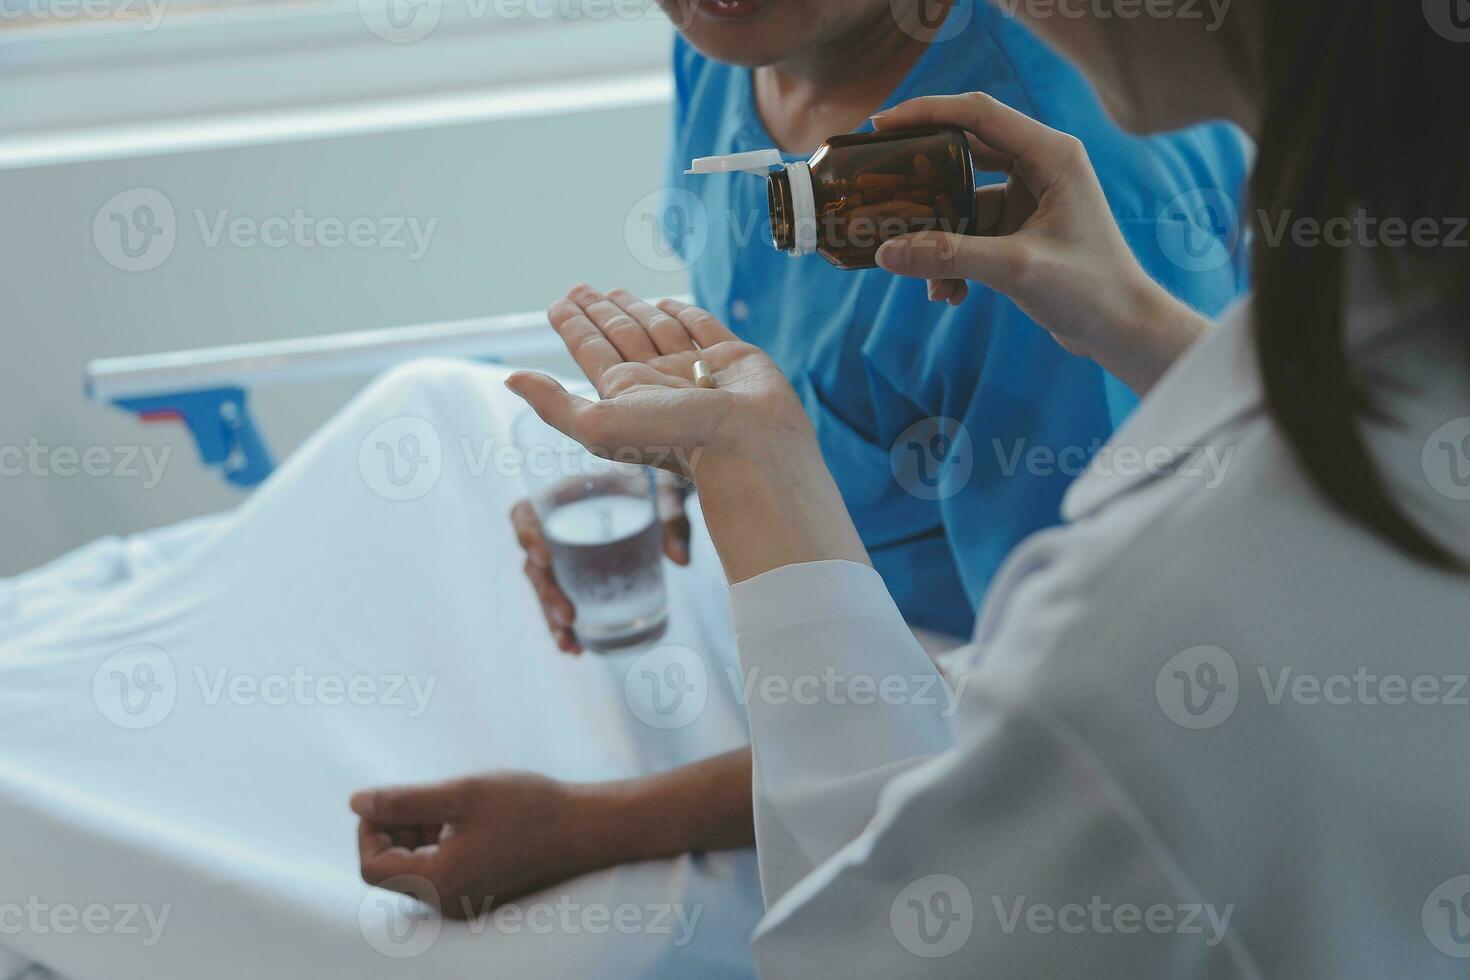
point(698, 808)
point(625, 822)
point(778, 509)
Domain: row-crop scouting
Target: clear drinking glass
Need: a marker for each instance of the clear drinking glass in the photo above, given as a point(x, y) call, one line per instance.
point(600, 519)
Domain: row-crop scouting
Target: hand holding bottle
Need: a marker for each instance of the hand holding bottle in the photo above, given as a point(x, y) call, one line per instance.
point(1047, 239)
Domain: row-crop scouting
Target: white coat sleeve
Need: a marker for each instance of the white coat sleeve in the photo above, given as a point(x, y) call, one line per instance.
point(999, 846)
point(841, 698)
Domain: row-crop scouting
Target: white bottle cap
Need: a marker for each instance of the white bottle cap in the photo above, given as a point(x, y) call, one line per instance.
point(759, 163)
point(804, 203)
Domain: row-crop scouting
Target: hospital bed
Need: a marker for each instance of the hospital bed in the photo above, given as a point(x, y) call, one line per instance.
point(142, 782)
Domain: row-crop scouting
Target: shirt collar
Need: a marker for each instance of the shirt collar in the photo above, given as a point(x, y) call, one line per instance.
point(1212, 387)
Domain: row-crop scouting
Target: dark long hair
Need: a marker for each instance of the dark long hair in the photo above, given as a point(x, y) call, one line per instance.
point(1367, 108)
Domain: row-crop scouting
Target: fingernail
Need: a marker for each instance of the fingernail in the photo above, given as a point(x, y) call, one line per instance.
point(560, 618)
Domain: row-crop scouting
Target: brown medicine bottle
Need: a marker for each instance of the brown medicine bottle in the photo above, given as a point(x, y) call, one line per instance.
point(860, 190)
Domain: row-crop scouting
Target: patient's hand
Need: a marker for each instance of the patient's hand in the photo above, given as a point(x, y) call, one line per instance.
point(558, 609)
point(641, 360)
point(767, 496)
point(478, 842)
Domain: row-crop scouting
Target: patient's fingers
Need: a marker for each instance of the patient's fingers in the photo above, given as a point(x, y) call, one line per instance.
point(380, 859)
point(625, 333)
point(631, 374)
point(557, 407)
point(417, 805)
point(592, 351)
point(558, 609)
point(706, 330)
point(668, 334)
point(528, 533)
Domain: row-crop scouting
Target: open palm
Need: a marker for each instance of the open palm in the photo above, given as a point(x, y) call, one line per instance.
point(640, 358)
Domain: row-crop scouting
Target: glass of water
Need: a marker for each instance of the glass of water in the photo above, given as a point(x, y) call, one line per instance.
point(600, 520)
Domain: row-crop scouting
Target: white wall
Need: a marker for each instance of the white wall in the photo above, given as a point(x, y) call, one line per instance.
point(525, 208)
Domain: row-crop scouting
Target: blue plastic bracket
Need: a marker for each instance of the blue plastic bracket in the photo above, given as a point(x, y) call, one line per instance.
point(220, 421)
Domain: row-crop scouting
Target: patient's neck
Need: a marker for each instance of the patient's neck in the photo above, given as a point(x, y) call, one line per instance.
point(834, 85)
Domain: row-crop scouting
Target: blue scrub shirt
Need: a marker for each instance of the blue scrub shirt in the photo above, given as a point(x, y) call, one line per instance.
point(952, 432)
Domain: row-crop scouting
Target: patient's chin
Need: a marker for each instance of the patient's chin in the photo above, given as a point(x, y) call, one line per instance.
point(742, 46)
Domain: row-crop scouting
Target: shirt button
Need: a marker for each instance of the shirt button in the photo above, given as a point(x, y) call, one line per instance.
point(740, 310)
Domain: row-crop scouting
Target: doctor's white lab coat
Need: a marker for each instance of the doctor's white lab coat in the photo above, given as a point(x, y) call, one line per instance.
point(1210, 728)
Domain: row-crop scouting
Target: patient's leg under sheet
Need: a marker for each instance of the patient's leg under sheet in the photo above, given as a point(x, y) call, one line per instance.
point(179, 754)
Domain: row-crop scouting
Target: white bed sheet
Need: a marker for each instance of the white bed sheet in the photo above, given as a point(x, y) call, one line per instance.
point(230, 814)
point(88, 573)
